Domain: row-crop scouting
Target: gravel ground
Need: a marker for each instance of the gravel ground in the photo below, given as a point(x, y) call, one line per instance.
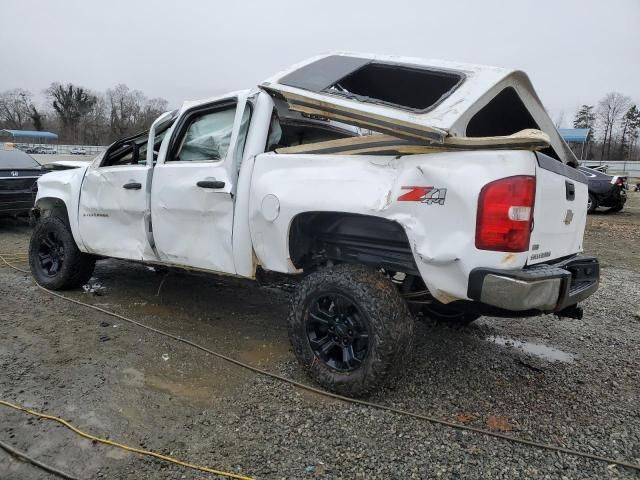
point(572, 383)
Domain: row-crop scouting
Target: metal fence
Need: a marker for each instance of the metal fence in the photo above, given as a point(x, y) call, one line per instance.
point(62, 149)
point(630, 168)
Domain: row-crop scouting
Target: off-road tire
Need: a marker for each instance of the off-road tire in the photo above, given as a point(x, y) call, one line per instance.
point(76, 267)
point(593, 203)
point(388, 321)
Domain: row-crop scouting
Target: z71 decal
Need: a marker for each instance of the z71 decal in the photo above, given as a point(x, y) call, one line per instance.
point(428, 195)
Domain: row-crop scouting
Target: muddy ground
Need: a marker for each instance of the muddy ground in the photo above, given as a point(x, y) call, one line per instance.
point(574, 383)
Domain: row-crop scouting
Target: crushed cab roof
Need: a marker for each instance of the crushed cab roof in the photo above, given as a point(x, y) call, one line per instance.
point(330, 86)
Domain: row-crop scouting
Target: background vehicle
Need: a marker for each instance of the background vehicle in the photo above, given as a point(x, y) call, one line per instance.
point(78, 151)
point(42, 150)
point(605, 190)
point(18, 176)
point(452, 209)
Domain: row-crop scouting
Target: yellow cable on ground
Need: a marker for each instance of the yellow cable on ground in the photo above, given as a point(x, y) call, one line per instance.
point(122, 446)
point(377, 406)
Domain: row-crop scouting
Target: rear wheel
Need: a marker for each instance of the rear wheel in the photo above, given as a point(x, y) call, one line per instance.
point(350, 329)
point(592, 203)
point(54, 258)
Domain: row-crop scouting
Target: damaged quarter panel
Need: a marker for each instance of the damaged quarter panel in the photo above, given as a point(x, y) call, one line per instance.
point(433, 197)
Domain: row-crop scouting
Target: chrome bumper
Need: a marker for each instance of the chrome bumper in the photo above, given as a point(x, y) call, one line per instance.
point(548, 288)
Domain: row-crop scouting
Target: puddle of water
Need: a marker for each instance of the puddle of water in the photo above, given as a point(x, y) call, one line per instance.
point(537, 349)
point(263, 353)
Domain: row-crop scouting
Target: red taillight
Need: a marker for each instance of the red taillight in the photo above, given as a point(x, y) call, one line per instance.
point(505, 213)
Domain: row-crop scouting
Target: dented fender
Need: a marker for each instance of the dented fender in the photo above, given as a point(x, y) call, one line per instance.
point(64, 185)
point(438, 217)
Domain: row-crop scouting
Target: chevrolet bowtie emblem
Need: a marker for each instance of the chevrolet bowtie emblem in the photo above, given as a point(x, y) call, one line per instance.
point(568, 217)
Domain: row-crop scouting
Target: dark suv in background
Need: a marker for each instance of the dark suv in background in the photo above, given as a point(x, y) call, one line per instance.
point(19, 173)
point(607, 191)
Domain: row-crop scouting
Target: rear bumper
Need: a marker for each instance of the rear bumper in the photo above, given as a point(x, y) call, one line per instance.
point(548, 288)
point(615, 197)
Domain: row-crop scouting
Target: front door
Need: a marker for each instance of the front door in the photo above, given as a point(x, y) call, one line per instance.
point(192, 201)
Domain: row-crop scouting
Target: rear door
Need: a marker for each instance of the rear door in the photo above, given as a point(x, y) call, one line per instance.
point(192, 195)
point(560, 211)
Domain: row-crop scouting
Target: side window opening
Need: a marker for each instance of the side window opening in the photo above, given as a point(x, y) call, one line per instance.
point(133, 151)
point(127, 152)
point(505, 115)
point(205, 136)
point(284, 134)
point(402, 86)
point(289, 129)
point(412, 88)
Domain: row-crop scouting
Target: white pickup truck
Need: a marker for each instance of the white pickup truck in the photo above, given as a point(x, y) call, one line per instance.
point(389, 185)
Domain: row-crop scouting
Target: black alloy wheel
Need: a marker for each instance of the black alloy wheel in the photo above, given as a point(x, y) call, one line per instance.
point(350, 329)
point(337, 331)
point(54, 258)
point(50, 253)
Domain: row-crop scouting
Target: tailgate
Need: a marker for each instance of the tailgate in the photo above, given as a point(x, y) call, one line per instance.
point(560, 211)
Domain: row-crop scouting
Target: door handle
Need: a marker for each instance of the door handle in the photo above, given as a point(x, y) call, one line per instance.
point(210, 184)
point(570, 190)
point(132, 186)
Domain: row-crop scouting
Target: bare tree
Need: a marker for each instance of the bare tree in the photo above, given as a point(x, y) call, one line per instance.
point(125, 107)
point(609, 112)
point(629, 131)
point(95, 124)
point(16, 109)
point(130, 111)
point(71, 104)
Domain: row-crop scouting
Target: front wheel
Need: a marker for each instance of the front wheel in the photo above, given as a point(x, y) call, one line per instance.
point(350, 329)
point(54, 258)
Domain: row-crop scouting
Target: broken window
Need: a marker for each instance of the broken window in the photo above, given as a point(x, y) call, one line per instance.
point(133, 150)
point(505, 115)
point(365, 80)
point(287, 129)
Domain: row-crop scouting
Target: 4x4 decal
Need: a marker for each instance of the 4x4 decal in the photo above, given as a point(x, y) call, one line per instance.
point(428, 195)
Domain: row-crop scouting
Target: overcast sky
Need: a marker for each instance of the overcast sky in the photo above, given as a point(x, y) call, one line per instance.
point(574, 51)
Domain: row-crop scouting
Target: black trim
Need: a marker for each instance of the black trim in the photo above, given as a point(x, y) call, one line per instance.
point(324, 72)
point(556, 166)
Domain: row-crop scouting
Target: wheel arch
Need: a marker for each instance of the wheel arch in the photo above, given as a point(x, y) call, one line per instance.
point(51, 206)
point(318, 236)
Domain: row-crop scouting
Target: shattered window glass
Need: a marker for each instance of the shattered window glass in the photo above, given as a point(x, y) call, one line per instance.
point(207, 137)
